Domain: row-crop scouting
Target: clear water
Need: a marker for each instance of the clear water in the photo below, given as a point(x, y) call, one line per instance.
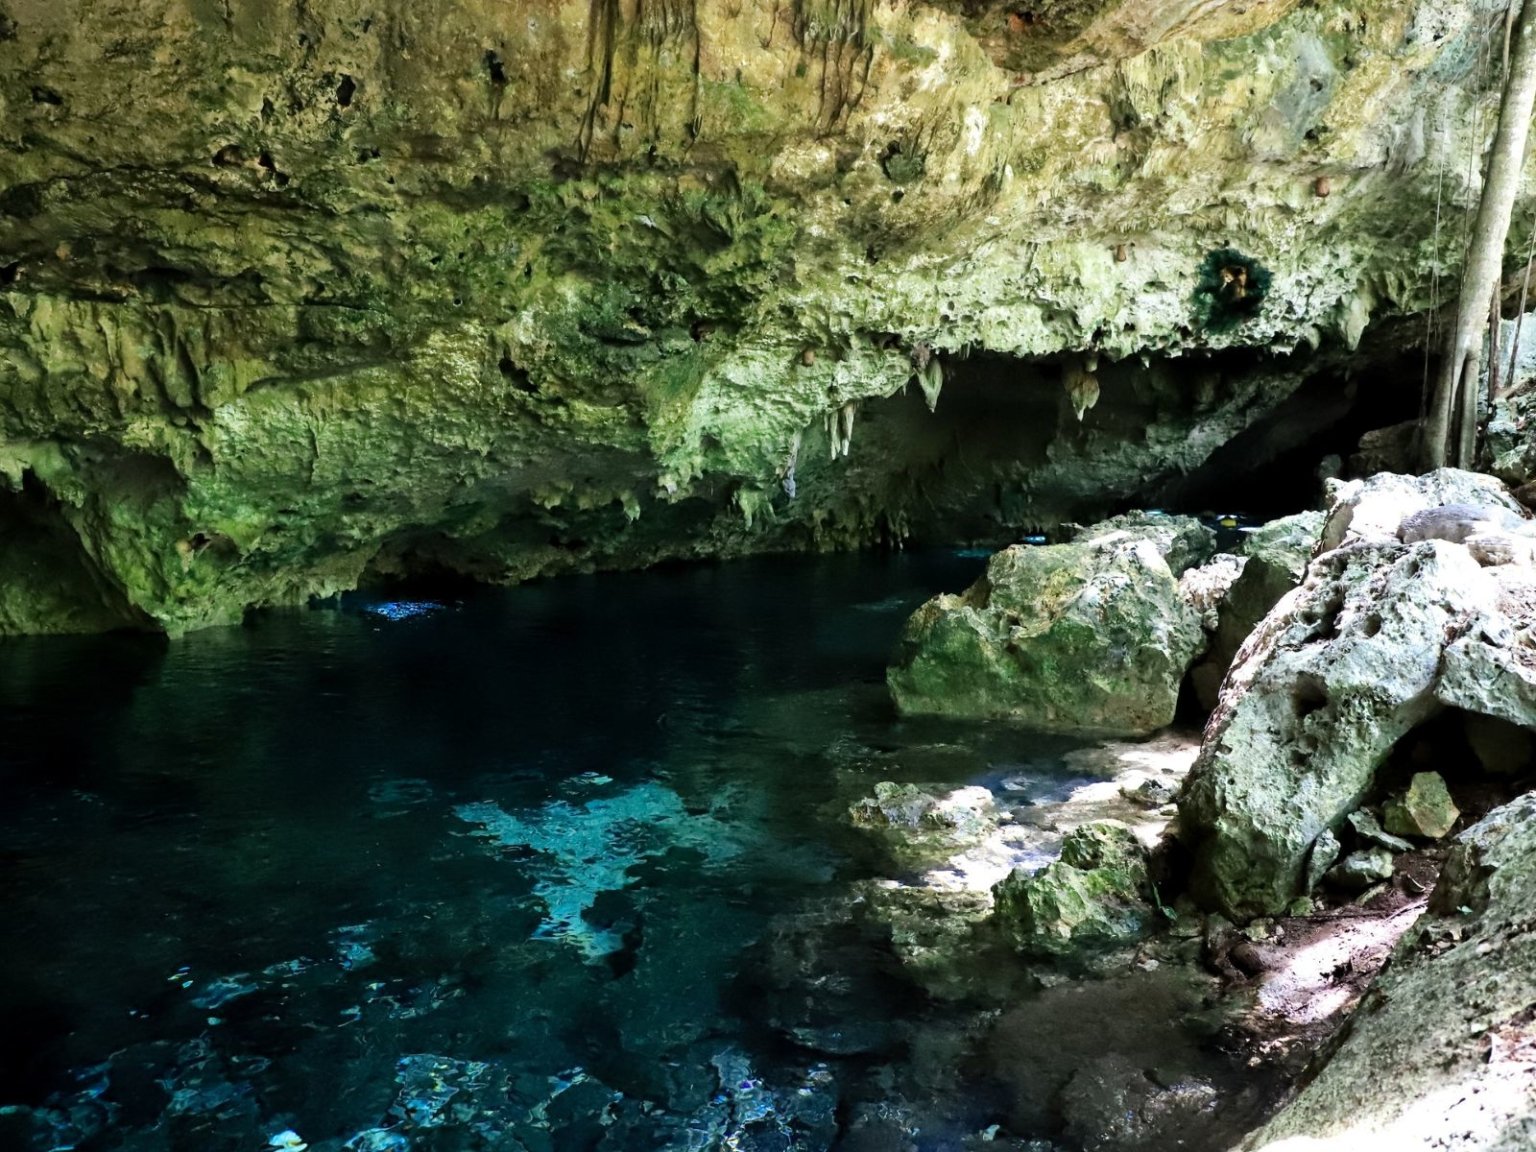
point(515, 872)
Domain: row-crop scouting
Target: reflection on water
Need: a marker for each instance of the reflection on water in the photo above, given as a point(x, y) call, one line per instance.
point(561, 867)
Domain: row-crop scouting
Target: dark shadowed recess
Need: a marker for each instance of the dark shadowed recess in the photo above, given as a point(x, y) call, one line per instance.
point(1271, 468)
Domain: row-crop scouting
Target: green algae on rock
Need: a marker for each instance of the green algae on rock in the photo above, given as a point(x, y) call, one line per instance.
point(1097, 893)
point(291, 298)
point(1089, 636)
point(1425, 809)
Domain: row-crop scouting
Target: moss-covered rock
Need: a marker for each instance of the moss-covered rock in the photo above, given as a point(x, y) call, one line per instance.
point(1425, 808)
point(1097, 893)
point(1089, 636)
point(293, 296)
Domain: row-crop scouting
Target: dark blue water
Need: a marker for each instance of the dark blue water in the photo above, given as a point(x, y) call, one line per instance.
point(540, 869)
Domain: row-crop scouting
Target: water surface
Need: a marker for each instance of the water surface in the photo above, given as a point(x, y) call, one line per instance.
point(558, 867)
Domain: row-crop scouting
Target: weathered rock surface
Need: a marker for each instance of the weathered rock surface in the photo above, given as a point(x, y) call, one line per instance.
point(1425, 808)
point(1380, 637)
point(1207, 587)
point(1088, 636)
point(1376, 509)
point(293, 297)
point(1274, 560)
point(1098, 893)
point(1456, 523)
point(1182, 541)
point(1441, 1053)
point(942, 851)
point(1359, 870)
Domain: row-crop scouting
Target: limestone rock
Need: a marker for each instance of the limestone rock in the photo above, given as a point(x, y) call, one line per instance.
point(292, 297)
point(1341, 669)
point(1207, 587)
point(1493, 548)
point(1359, 870)
point(1370, 831)
point(1086, 636)
point(1379, 637)
point(1425, 809)
point(1456, 522)
point(1511, 449)
point(1274, 560)
point(918, 825)
point(1440, 1053)
point(1389, 449)
point(1097, 893)
point(1377, 508)
point(1492, 535)
point(1284, 546)
point(1501, 747)
point(1323, 856)
point(1183, 541)
point(1489, 668)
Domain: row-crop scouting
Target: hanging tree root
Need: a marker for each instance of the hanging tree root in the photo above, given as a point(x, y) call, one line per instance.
point(1456, 386)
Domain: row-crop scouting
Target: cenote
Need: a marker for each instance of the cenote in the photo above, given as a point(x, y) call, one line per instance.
point(567, 866)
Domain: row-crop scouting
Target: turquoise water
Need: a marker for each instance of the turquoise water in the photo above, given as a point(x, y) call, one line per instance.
point(554, 868)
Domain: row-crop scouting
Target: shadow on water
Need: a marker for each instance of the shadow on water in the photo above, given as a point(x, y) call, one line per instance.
point(502, 871)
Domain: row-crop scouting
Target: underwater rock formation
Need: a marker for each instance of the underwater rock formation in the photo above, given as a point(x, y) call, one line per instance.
point(297, 296)
point(1380, 637)
point(1089, 636)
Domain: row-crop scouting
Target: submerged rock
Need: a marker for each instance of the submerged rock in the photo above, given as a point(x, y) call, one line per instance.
point(1380, 637)
point(1441, 1053)
point(1097, 893)
point(1086, 636)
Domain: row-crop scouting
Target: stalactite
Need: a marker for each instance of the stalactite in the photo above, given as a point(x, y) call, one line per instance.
point(930, 379)
point(1082, 386)
point(789, 465)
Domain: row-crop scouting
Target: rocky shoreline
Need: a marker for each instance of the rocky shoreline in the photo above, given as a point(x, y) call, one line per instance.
point(1347, 849)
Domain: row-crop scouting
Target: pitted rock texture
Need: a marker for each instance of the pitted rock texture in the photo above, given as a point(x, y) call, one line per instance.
point(1091, 636)
point(293, 296)
point(1379, 637)
point(1097, 894)
point(1274, 560)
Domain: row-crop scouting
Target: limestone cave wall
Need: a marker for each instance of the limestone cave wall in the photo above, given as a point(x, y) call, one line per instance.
point(296, 294)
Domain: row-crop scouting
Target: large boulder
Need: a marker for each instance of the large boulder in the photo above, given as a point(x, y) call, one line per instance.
point(1375, 509)
point(1086, 636)
point(1381, 636)
point(1441, 1053)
